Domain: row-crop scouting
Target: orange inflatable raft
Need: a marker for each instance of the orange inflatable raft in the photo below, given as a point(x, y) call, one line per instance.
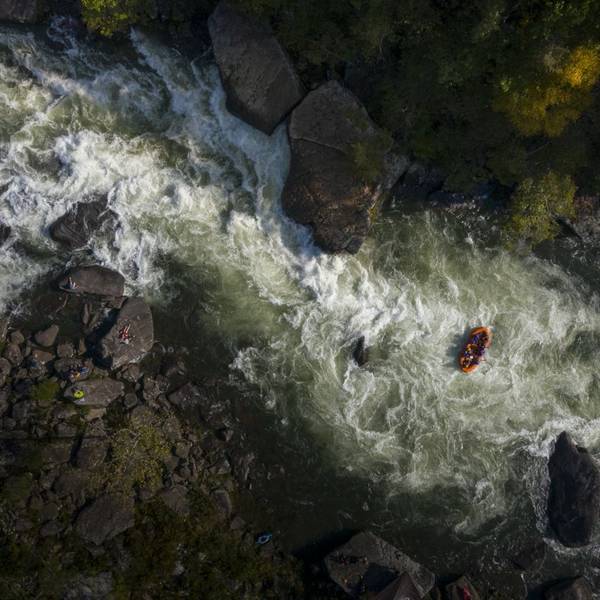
point(473, 352)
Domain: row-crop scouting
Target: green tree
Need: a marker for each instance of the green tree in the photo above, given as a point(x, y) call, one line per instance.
point(108, 17)
point(535, 206)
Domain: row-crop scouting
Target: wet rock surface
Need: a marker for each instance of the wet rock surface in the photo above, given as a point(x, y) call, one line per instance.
point(75, 228)
point(367, 563)
point(574, 497)
point(324, 188)
point(259, 79)
point(93, 280)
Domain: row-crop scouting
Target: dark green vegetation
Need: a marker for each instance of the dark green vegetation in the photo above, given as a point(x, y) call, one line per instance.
point(217, 565)
point(486, 90)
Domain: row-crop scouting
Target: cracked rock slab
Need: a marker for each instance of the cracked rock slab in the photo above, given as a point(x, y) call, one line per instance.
point(259, 78)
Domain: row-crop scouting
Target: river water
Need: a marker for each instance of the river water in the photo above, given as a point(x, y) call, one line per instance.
point(451, 467)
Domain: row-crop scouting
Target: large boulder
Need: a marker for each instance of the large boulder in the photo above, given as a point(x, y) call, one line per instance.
point(369, 564)
point(75, 227)
point(106, 517)
point(402, 588)
point(259, 79)
point(574, 498)
point(461, 589)
point(97, 393)
point(324, 188)
point(573, 589)
point(21, 11)
point(130, 338)
point(95, 280)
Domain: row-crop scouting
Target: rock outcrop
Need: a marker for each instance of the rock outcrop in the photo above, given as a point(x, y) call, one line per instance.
point(21, 11)
point(369, 564)
point(130, 338)
point(461, 589)
point(324, 188)
point(94, 280)
point(259, 79)
point(47, 337)
point(74, 229)
point(105, 517)
point(402, 588)
point(97, 393)
point(574, 498)
point(573, 589)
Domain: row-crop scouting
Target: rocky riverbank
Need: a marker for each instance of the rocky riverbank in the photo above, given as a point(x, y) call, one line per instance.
point(108, 489)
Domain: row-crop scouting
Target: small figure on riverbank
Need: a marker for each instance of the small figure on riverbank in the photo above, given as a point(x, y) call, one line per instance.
point(124, 334)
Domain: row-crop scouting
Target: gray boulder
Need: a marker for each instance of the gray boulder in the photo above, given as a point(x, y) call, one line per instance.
point(324, 188)
point(369, 564)
point(573, 589)
point(402, 588)
point(21, 11)
point(47, 337)
point(91, 452)
point(574, 498)
point(94, 280)
point(460, 589)
point(130, 338)
point(74, 229)
point(106, 517)
point(259, 79)
point(176, 499)
point(98, 393)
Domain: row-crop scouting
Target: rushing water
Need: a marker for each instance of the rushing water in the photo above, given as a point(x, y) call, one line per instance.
point(416, 443)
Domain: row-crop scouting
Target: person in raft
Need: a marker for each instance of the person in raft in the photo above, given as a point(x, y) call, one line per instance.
point(475, 351)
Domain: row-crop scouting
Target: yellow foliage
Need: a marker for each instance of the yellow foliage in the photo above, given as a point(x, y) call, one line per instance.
point(548, 104)
point(582, 67)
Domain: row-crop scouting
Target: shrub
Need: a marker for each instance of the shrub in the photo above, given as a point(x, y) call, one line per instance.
point(45, 392)
point(108, 17)
point(137, 455)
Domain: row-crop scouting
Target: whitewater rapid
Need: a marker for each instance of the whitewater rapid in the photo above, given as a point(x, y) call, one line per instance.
point(194, 186)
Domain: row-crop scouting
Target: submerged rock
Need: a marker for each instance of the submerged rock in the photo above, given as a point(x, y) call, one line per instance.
point(574, 498)
point(5, 232)
point(94, 280)
point(131, 337)
point(324, 188)
point(360, 353)
point(573, 589)
point(21, 11)
point(75, 227)
point(258, 76)
point(105, 517)
point(369, 564)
